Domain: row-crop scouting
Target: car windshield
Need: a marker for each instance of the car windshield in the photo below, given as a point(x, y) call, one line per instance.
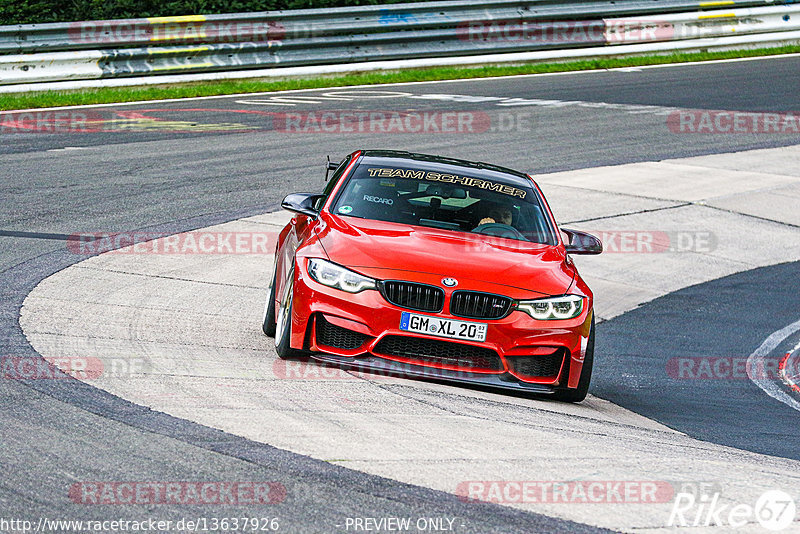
point(446, 201)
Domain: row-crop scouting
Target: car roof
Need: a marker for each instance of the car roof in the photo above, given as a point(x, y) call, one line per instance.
point(473, 169)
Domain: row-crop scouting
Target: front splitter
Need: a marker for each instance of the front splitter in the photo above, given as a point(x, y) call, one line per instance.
point(382, 367)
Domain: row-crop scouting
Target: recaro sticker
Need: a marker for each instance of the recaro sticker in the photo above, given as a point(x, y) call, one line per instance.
point(378, 200)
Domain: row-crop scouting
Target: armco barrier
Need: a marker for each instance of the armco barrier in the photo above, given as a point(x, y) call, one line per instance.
point(678, 26)
point(341, 22)
point(213, 43)
point(26, 68)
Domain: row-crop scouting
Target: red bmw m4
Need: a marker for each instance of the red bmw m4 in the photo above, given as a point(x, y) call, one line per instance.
point(432, 267)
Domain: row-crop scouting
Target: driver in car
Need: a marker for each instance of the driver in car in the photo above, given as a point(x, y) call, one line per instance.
point(499, 214)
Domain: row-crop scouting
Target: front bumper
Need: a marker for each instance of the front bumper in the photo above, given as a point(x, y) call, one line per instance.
point(519, 353)
point(384, 367)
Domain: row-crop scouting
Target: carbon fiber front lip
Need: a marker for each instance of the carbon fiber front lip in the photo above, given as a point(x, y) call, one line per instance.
point(384, 367)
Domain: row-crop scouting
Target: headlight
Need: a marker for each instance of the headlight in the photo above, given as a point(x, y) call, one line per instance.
point(566, 307)
point(332, 275)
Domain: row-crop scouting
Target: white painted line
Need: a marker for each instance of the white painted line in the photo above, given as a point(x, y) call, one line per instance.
point(501, 101)
point(366, 94)
point(396, 84)
point(326, 97)
point(285, 101)
point(756, 365)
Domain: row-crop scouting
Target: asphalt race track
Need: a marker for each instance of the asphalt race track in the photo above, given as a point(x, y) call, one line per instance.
point(177, 166)
point(644, 341)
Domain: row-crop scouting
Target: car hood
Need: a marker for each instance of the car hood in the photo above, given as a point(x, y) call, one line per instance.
point(370, 246)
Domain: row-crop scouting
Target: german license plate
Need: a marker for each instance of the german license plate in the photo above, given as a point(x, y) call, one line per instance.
point(435, 326)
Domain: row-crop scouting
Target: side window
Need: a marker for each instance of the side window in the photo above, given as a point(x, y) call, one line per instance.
point(332, 183)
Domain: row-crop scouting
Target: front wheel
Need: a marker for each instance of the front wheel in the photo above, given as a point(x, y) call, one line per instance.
point(579, 393)
point(268, 323)
point(283, 323)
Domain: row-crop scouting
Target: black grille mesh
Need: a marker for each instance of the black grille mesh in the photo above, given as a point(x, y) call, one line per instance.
point(331, 335)
point(433, 351)
point(479, 305)
point(413, 296)
point(537, 366)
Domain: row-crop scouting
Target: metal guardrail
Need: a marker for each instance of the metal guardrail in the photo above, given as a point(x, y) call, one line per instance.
point(199, 43)
point(340, 22)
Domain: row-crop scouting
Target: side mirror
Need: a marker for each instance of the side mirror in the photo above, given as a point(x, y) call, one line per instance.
point(302, 203)
point(582, 243)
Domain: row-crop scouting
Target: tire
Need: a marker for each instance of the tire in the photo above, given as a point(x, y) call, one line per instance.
point(283, 324)
point(268, 323)
point(579, 393)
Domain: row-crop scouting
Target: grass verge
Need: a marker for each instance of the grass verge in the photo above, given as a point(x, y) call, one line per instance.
point(105, 95)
